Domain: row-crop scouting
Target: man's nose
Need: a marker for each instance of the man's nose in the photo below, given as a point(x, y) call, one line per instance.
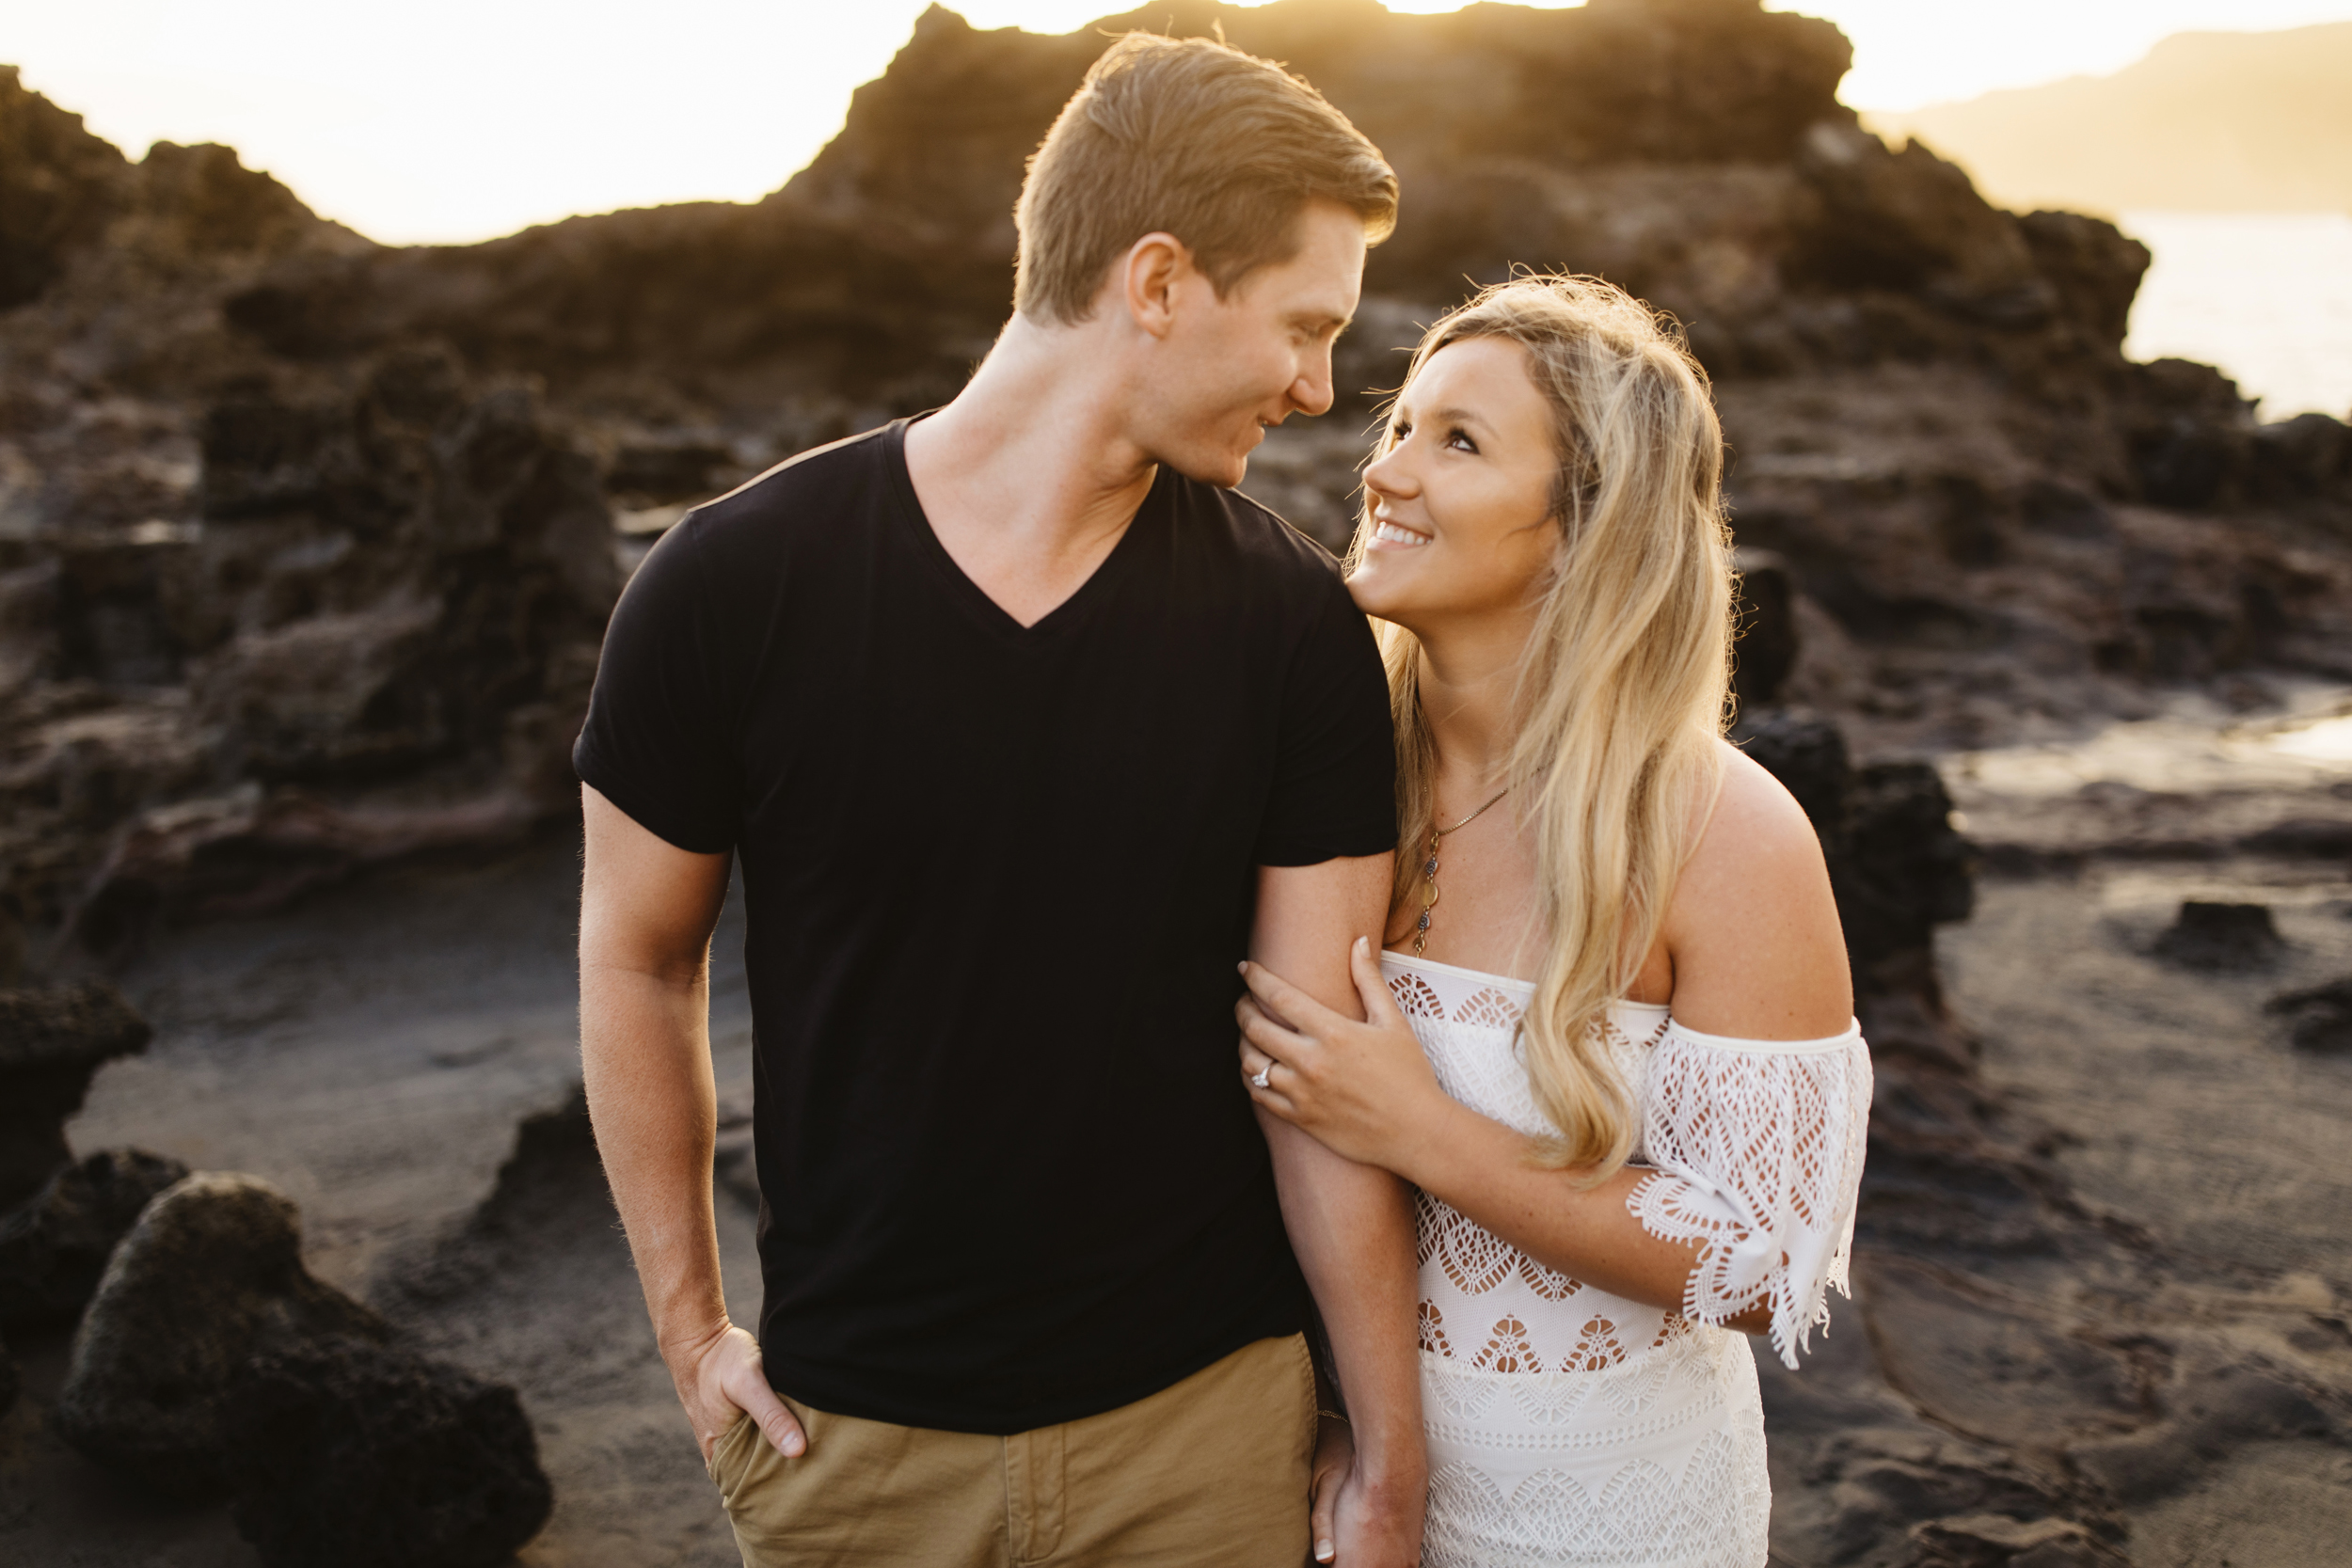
point(1311, 391)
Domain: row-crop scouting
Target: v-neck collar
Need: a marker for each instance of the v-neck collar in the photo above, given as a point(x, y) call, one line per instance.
point(990, 615)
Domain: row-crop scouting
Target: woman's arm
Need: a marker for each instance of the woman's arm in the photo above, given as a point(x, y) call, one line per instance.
point(1752, 949)
point(1366, 1092)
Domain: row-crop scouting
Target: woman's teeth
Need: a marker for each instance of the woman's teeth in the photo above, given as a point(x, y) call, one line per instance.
point(1392, 535)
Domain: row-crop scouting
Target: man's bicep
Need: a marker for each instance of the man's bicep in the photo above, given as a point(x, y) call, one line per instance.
point(646, 904)
point(1309, 916)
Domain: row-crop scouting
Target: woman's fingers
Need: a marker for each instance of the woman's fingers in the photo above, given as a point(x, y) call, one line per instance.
point(1371, 988)
point(1285, 1000)
point(1267, 1034)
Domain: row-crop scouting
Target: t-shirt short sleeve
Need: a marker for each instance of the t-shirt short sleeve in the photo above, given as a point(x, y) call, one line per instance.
point(660, 738)
point(1335, 773)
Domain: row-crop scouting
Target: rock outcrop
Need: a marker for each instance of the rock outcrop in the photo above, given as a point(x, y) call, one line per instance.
point(2208, 935)
point(2320, 1017)
point(317, 587)
point(211, 1364)
point(51, 1043)
point(54, 1247)
point(356, 1457)
point(376, 636)
point(209, 1279)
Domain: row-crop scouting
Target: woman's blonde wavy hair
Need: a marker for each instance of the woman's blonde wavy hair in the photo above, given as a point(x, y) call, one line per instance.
point(1624, 688)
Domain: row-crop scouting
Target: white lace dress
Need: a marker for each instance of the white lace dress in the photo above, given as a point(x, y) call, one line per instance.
point(1567, 1425)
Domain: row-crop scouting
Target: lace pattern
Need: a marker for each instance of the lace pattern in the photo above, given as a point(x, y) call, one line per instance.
point(1759, 1154)
point(1655, 1461)
point(1482, 1300)
point(1568, 1425)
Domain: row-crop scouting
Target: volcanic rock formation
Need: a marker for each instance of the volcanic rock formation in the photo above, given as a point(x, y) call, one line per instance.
point(51, 1041)
point(296, 576)
point(357, 1457)
point(210, 1277)
point(54, 1247)
point(212, 1363)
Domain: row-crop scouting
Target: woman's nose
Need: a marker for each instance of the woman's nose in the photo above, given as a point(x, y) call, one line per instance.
point(1388, 475)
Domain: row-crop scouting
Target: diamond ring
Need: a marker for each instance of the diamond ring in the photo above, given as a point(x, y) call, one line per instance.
point(1259, 1077)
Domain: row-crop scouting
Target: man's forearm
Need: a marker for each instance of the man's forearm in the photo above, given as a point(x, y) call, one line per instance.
point(644, 1052)
point(1352, 1228)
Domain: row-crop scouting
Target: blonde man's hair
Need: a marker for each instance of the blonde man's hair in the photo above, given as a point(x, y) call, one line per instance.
point(1623, 689)
point(1197, 139)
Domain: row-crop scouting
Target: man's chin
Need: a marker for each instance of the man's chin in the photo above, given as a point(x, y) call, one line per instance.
point(1226, 470)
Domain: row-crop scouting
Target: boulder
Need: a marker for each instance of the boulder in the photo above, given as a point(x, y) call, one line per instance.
point(2322, 1016)
point(52, 1040)
point(2207, 935)
point(54, 1247)
point(209, 1279)
point(356, 1456)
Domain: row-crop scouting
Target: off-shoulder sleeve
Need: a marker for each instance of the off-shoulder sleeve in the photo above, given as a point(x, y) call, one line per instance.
point(1759, 1147)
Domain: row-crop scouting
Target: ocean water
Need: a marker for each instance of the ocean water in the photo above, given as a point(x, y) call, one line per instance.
point(2267, 296)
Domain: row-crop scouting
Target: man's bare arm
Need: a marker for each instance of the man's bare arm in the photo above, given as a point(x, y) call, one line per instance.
point(646, 913)
point(1351, 1225)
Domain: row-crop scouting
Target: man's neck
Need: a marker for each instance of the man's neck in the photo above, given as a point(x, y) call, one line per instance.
point(1029, 477)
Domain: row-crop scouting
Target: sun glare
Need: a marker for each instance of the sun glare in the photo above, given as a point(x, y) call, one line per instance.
point(461, 119)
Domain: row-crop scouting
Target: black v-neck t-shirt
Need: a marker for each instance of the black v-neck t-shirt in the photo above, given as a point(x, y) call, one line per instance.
point(997, 879)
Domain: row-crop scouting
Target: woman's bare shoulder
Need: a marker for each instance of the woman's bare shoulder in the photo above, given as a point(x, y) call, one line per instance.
point(1755, 817)
point(1753, 926)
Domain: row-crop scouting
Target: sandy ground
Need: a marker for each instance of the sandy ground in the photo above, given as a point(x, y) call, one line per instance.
point(399, 1057)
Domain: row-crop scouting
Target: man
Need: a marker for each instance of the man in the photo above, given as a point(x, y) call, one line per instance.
point(1026, 729)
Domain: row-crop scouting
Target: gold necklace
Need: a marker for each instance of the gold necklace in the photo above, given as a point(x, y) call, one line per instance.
point(1429, 871)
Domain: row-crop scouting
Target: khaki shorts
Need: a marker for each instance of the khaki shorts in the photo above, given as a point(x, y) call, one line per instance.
point(1213, 1470)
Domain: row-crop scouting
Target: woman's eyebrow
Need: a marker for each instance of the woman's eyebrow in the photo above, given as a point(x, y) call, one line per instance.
point(1455, 416)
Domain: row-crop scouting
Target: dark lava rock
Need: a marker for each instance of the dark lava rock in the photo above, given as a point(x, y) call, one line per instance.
point(11, 1380)
point(55, 1247)
point(1997, 1541)
point(351, 1456)
point(2322, 1015)
point(51, 1041)
point(1899, 865)
point(59, 189)
point(2220, 936)
point(1769, 640)
point(209, 1279)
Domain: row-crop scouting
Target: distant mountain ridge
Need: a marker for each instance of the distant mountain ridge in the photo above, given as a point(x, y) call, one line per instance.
point(2206, 122)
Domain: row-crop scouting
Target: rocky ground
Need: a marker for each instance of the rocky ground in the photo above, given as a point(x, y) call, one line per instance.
point(306, 544)
point(2108, 1326)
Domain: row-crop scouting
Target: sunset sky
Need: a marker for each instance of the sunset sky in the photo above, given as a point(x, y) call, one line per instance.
point(459, 119)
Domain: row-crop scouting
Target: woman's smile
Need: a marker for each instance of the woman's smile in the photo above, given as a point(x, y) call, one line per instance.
point(1396, 535)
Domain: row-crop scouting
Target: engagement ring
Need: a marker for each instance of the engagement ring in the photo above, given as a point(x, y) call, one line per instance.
point(1259, 1077)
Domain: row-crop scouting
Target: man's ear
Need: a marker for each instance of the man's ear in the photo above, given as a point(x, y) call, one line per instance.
point(1148, 277)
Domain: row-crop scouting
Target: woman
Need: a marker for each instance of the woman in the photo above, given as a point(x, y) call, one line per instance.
point(1615, 1049)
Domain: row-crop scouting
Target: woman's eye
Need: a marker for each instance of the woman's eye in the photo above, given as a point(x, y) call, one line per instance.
point(1460, 438)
